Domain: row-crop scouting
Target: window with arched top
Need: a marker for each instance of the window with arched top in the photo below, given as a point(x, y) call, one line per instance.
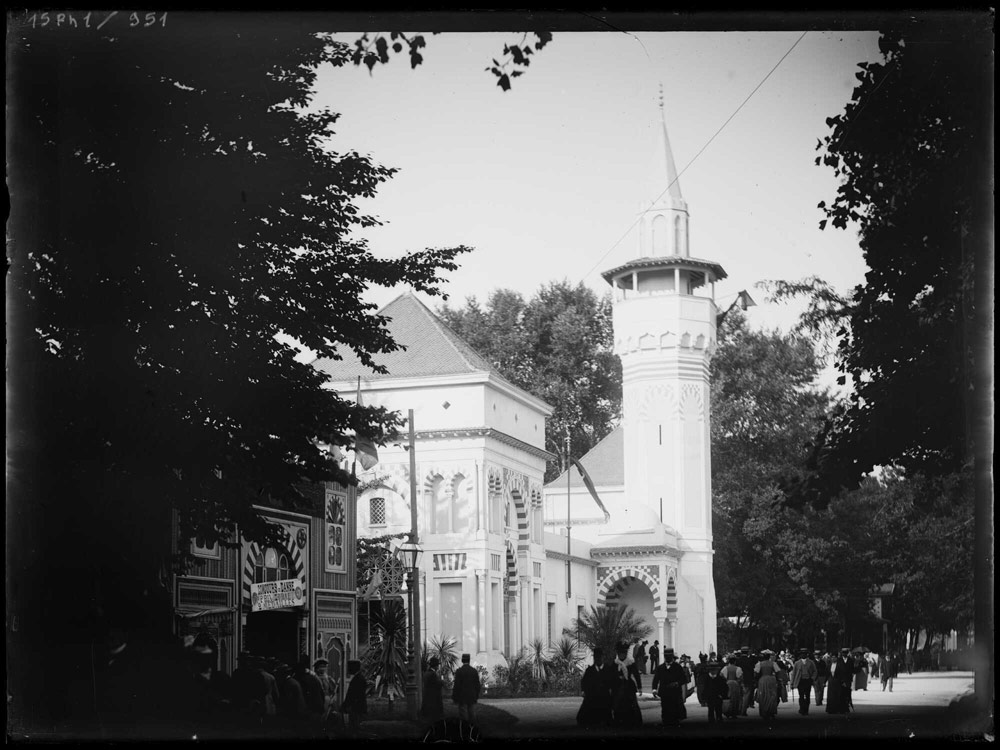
point(284, 568)
point(440, 510)
point(661, 239)
point(460, 503)
point(679, 236)
point(258, 567)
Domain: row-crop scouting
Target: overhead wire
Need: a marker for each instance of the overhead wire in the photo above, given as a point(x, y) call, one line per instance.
point(695, 157)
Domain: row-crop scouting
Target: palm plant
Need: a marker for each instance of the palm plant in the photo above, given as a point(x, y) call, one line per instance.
point(605, 627)
point(565, 656)
point(445, 648)
point(386, 659)
point(537, 658)
point(517, 669)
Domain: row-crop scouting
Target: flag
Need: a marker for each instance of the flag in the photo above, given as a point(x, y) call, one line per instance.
point(373, 588)
point(590, 487)
point(364, 448)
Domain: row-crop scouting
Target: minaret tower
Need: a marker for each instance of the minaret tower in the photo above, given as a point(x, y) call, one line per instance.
point(664, 328)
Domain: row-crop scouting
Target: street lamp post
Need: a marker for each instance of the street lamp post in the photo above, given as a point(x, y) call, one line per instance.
point(412, 549)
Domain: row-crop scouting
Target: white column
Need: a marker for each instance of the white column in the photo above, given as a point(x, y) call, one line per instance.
point(524, 610)
point(482, 610)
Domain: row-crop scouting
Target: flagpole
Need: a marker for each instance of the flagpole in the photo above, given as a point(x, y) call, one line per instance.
point(569, 574)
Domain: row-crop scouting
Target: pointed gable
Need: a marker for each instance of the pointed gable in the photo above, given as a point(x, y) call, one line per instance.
point(431, 348)
point(605, 463)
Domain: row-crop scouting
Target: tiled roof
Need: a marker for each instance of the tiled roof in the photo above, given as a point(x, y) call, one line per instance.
point(431, 347)
point(605, 463)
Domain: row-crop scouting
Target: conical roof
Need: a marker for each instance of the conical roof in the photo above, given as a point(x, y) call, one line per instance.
point(432, 348)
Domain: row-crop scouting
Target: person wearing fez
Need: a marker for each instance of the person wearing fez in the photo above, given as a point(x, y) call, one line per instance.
point(670, 683)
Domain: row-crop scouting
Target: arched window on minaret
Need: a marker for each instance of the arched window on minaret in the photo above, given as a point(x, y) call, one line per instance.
point(661, 240)
point(679, 236)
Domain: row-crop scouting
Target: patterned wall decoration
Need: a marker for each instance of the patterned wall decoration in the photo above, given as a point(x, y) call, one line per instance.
point(335, 524)
point(295, 545)
point(651, 403)
point(693, 400)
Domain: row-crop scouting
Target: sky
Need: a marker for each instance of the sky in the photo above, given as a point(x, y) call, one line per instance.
point(545, 181)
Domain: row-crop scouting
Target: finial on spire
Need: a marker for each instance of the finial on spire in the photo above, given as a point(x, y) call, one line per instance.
point(661, 97)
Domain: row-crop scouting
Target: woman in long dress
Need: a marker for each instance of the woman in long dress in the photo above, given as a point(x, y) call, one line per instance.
point(625, 701)
point(734, 679)
point(838, 699)
point(596, 707)
point(767, 686)
point(861, 672)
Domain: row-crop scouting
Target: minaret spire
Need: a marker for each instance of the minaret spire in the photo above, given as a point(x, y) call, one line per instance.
point(663, 222)
point(674, 189)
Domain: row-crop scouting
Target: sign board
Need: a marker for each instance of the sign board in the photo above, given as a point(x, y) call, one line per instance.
point(276, 594)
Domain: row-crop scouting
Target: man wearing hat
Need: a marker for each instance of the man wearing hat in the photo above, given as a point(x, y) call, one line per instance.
point(326, 682)
point(822, 675)
point(433, 705)
point(670, 683)
point(803, 675)
point(355, 704)
point(465, 692)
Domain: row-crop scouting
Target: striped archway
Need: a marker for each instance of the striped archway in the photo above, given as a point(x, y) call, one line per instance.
point(510, 579)
point(671, 600)
point(615, 583)
point(295, 544)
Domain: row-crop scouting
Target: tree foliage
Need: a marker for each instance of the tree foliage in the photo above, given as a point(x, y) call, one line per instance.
point(766, 407)
point(909, 150)
point(176, 209)
point(558, 347)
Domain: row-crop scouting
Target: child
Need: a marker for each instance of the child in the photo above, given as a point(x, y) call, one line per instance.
point(716, 691)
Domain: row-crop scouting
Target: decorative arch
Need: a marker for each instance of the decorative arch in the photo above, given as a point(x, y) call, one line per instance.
point(693, 400)
point(671, 598)
point(657, 402)
point(292, 546)
point(510, 579)
point(517, 487)
point(616, 581)
point(393, 480)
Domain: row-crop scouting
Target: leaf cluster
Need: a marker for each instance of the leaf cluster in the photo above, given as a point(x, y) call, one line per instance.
point(374, 48)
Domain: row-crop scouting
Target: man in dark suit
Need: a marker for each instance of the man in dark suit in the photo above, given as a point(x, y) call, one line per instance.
point(355, 703)
point(465, 692)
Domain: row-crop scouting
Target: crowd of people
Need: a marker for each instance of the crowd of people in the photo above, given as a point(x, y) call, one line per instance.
point(728, 686)
point(271, 695)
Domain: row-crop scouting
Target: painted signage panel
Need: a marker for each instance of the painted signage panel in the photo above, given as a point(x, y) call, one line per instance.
point(276, 594)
